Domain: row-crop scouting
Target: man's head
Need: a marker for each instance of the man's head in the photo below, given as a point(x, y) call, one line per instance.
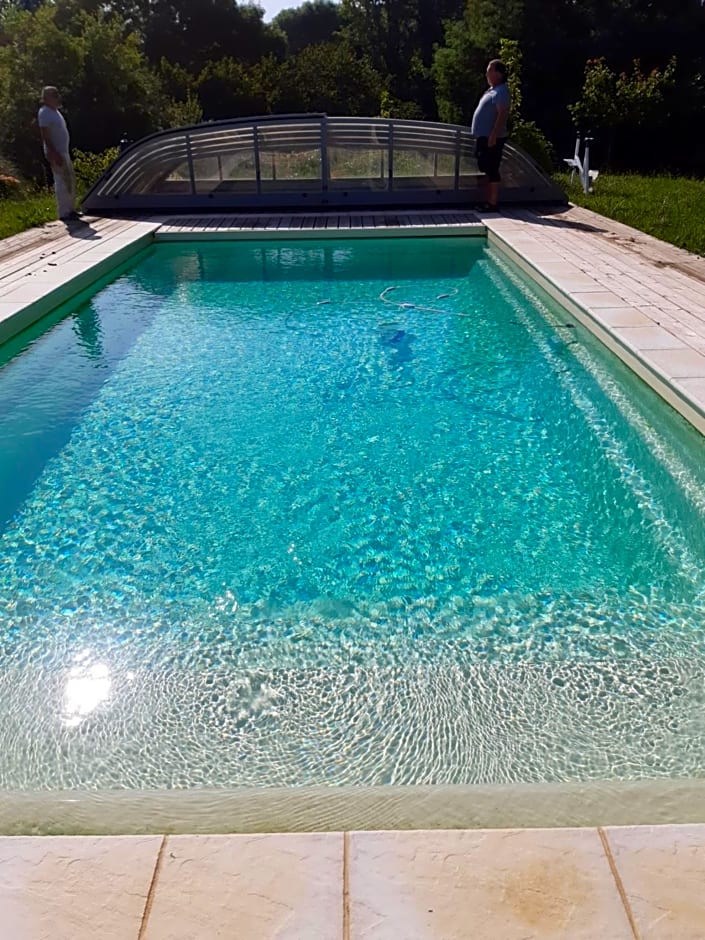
point(50, 96)
point(496, 72)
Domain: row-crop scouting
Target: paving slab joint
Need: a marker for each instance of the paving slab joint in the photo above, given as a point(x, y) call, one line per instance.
point(346, 886)
point(618, 882)
point(152, 887)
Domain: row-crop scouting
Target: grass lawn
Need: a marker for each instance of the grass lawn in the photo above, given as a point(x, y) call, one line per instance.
point(18, 214)
point(668, 207)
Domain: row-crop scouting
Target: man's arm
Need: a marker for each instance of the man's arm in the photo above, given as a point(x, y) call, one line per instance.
point(502, 114)
point(53, 155)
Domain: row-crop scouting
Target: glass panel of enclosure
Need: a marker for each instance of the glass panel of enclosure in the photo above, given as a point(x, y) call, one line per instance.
point(469, 175)
point(414, 169)
point(164, 169)
point(358, 154)
point(518, 171)
point(279, 168)
point(290, 153)
point(226, 173)
point(358, 167)
point(224, 161)
point(166, 180)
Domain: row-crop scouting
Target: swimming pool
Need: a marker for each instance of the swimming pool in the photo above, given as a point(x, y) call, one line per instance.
point(341, 513)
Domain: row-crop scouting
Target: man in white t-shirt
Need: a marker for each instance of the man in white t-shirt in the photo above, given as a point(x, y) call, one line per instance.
point(55, 137)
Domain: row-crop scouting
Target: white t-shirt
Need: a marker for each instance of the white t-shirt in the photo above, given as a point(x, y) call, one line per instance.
point(58, 131)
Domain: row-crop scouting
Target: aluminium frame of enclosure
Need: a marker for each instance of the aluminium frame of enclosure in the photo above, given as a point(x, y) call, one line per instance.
point(309, 161)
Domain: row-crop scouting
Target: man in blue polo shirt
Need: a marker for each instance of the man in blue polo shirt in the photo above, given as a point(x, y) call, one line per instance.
point(489, 127)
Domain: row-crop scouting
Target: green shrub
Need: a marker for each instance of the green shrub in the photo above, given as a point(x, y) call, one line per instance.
point(89, 167)
point(183, 113)
point(10, 186)
point(10, 183)
point(532, 140)
point(391, 107)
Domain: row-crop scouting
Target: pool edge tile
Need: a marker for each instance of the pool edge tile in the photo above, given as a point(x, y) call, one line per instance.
point(37, 291)
point(265, 885)
point(75, 887)
point(484, 884)
point(662, 869)
point(659, 368)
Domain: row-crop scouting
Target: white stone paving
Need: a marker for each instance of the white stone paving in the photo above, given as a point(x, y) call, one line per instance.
point(643, 298)
point(643, 882)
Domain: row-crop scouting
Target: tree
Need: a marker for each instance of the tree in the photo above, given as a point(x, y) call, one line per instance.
point(525, 134)
point(107, 85)
point(193, 33)
point(310, 24)
point(398, 37)
point(619, 31)
point(183, 112)
point(458, 74)
point(28, 5)
point(116, 93)
point(228, 88)
point(329, 77)
point(35, 49)
point(629, 101)
point(488, 21)
point(155, 62)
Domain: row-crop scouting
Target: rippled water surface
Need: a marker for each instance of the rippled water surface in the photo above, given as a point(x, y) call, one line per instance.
point(341, 512)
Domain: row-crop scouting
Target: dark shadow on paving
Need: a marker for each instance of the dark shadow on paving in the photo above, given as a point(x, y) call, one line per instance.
point(555, 218)
point(80, 228)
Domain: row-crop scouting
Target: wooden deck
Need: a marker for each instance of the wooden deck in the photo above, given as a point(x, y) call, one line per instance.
point(42, 268)
point(296, 224)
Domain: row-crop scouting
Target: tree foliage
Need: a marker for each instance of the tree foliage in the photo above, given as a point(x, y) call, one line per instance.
point(193, 33)
point(107, 85)
point(314, 22)
point(329, 77)
point(457, 71)
point(526, 134)
point(399, 37)
point(628, 101)
point(129, 67)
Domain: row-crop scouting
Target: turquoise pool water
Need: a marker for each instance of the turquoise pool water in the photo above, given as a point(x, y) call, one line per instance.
point(341, 512)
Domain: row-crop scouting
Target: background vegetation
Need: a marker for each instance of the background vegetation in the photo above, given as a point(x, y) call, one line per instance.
point(631, 72)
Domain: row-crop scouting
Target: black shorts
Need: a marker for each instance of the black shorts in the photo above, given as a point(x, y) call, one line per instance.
point(489, 158)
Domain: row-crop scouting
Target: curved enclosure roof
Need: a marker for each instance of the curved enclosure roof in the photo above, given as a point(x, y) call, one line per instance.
point(311, 160)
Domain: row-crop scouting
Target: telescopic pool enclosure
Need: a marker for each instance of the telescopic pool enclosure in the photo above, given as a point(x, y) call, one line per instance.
point(309, 160)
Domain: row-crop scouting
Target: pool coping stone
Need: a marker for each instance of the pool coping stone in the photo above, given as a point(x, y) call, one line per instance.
point(616, 883)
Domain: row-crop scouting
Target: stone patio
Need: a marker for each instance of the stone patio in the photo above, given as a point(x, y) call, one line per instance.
point(568, 884)
point(643, 298)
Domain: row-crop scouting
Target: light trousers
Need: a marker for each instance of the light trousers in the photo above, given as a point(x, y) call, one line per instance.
point(64, 186)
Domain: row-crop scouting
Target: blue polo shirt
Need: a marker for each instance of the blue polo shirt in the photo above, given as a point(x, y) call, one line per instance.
point(483, 120)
